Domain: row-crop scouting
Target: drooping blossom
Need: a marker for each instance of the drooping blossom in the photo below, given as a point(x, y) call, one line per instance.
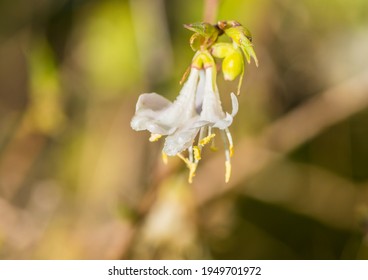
point(192, 116)
point(210, 116)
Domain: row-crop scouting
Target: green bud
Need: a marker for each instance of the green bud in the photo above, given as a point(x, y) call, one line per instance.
point(196, 41)
point(233, 65)
point(241, 37)
point(203, 28)
point(245, 43)
point(208, 31)
point(226, 25)
point(221, 50)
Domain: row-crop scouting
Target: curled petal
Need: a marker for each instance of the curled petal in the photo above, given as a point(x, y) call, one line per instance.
point(226, 122)
point(152, 101)
point(148, 110)
point(234, 104)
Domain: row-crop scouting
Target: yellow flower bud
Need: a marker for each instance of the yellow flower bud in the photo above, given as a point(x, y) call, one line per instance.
point(232, 65)
point(221, 50)
point(240, 36)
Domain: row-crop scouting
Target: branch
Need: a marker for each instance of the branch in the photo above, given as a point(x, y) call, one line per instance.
point(210, 10)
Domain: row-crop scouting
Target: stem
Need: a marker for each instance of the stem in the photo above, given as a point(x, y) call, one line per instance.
point(210, 10)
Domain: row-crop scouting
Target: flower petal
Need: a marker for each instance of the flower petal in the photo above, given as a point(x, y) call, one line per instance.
point(200, 91)
point(148, 109)
point(181, 140)
point(183, 108)
point(159, 116)
point(226, 122)
point(211, 108)
point(151, 101)
point(234, 104)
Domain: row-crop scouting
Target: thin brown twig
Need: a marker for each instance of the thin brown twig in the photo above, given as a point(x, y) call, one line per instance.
point(210, 10)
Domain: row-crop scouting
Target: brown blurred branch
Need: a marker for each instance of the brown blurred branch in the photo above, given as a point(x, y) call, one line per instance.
point(18, 158)
point(284, 135)
point(210, 10)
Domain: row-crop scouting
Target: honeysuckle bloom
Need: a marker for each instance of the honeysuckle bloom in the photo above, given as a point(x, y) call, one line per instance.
point(163, 117)
point(188, 122)
point(210, 116)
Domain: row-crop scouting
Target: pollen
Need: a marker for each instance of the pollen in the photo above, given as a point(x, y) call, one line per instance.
point(192, 170)
point(197, 153)
point(154, 137)
point(206, 140)
point(231, 148)
point(191, 166)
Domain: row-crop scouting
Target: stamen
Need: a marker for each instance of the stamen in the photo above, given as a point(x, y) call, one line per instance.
point(206, 140)
point(154, 137)
point(192, 170)
point(197, 153)
point(190, 153)
point(231, 144)
point(191, 165)
point(164, 157)
point(201, 135)
point(187, 162)
point(226, 138)
point(198, 149)
point(227, 171)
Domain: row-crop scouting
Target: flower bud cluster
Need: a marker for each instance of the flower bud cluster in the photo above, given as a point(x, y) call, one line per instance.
point(205, 38)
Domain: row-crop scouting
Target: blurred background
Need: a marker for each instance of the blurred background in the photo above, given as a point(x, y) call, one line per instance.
point(76, 182)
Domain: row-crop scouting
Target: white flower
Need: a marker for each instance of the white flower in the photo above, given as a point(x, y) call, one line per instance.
point(196, 111)
point(162, 117)
point(211, 115)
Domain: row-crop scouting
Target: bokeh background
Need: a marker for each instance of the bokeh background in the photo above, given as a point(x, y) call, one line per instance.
point(77, 183)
